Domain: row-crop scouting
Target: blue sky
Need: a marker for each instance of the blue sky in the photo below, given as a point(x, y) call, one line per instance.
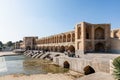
point(19, 18)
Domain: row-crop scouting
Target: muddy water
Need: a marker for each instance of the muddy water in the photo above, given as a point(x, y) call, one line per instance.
point(23, 65)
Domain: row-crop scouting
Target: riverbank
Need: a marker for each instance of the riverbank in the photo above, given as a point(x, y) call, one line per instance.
point(6, 53)
point(34, 69)
point(71, 75)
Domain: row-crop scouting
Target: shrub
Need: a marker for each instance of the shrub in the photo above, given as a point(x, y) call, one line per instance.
point(116, 64)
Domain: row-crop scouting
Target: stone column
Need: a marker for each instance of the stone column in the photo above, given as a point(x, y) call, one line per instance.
point(76, 37)
point(83, 27)
point(93, 37)
point(66, 38)
point(71, 37)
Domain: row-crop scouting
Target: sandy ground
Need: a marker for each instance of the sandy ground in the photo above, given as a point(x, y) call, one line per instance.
point(98, 76)
point(71, 75)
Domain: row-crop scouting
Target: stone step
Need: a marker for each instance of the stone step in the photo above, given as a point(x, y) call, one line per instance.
point(45, 55)
point(38, 56)
point(35, 55)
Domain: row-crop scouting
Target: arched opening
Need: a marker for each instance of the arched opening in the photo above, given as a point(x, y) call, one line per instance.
point(79, 32)
point(64, 38)
point(28, 48)
point(88, 70)
point(62, 49)
point(68, 38)
point(99, 47)
point(87, 35)
point(99, 33)
point(71, 48)
point(71, 51)
point(60, 39)
point(88, 32)
point(66, 64)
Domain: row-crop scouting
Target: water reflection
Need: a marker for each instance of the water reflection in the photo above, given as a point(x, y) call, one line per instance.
point(24, 65)
point(3, 67)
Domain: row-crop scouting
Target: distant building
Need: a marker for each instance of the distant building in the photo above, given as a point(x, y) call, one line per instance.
point(29, 42)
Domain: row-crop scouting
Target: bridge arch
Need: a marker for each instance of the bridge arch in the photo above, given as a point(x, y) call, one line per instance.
point(71, 48)
point(99, 47)
point(66, 64)
point(88, 70)
point(62, 49)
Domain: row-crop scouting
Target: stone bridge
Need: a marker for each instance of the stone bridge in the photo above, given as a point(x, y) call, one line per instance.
point(98, 62)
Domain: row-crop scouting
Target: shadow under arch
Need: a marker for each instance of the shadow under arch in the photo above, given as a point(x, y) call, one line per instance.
point(71, 48)
point(99, 47)
point(66, 64)
point(62, 49)
point(28, 48)
point(88, 70)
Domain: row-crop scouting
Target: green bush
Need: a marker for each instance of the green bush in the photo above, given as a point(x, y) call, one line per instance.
point(116, 64)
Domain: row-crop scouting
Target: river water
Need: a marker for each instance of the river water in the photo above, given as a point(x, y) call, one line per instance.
point(23, 65)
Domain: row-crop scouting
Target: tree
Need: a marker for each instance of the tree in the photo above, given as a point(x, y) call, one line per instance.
point(1, 44)
point(20, 41)
point(9, 43)
point(116, 64)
